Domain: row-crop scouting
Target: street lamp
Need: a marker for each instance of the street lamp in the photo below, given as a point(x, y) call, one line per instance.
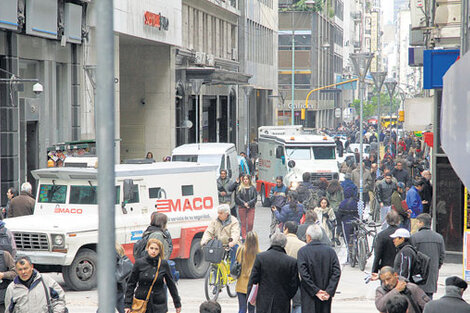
point(361, 63)
point(379, 78)
point(391, 84)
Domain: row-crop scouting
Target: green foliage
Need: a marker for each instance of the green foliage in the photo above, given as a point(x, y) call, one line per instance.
point(301, 6)
point(371, 109)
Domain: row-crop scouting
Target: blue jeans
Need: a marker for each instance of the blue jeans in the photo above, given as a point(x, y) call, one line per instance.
point(233, 254)
point(242, 304)
point(297, 309)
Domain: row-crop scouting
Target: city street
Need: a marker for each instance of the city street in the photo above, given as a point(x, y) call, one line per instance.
point(353, 295)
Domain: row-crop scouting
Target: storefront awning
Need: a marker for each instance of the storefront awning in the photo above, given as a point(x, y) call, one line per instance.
point(216, 76)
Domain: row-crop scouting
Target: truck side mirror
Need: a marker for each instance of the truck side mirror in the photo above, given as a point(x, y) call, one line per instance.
point(291, 164)
point(128, 186)
point(279, 152)
point(229, 173)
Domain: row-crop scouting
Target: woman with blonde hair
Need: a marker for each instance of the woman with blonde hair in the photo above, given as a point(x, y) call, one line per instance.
point(246, 200)
point(152, 272)
point(246, 256)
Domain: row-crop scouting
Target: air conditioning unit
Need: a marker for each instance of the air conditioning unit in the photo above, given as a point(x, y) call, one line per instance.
point(416, 37)
point(200, 58)
point(234, 54)
point(210, 60)
point(417, 9)
point(448, 13)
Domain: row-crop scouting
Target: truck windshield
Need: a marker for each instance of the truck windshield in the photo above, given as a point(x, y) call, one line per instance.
point(87, 195)
point(324, 153)
point(299, 153)
point(201, 158)
point(49, 193)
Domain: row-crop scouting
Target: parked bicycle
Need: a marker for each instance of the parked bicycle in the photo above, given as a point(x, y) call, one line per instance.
point(359, 242)
point(218, 277)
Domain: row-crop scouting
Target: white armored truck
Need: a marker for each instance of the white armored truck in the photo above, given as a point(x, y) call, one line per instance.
point(62, 235)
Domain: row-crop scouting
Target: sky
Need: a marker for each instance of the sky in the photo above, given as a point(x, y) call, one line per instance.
point(387, 9)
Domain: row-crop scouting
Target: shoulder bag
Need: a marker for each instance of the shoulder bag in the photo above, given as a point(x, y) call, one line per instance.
point(50, 309)
point(140, 306)
point(236, 267)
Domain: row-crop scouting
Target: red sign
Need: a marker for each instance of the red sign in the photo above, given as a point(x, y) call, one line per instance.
point(156, 20)
point(181, 205)
point(68, 211)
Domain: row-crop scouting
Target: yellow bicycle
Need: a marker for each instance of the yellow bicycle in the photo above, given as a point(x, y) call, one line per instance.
point(217, 277)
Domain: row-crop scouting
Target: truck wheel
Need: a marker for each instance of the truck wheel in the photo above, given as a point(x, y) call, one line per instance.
point(264, 202)
point(196, 266)
point(81, 274)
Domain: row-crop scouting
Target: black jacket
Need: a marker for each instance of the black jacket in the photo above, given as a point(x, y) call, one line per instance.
point(319, 269)
point(142, 276)
point(426, 194)
point(402, 176)
point(248, 195)
point(384, 250)
point(432, 244)
point(277, 277)
point(404, 260)
point(385, 191)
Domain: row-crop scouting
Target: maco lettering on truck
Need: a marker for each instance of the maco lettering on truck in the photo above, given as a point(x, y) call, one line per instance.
point(62, 235)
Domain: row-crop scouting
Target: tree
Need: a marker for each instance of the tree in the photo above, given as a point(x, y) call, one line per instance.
point(371, 109)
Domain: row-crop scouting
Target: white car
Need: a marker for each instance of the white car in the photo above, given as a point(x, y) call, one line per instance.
point(350, 151)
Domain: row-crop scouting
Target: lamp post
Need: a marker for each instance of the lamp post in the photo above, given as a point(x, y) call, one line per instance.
point(361, 63)
point(379, 78)
point(402, 97)
point(248, 89)
point(391, 84)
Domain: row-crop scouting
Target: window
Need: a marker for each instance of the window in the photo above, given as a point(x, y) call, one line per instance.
point(52, 193)
point(135, 194)
point(157, 193)
point(302, 42)
point(299, 153)
point(324, 153)
point(187, 190)
point(88, 195)
point(184, 158)
point(229, 167)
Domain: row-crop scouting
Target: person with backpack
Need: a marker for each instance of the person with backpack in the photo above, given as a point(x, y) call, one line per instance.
point(432, 244)
point(393, 285)
point(306, 191)
point(291, 211)
point(156, 230)
point(278, 198)
point(7, 240)
point(409, 263)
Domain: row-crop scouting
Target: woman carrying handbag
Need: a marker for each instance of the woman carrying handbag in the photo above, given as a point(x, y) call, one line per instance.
point(146, 292)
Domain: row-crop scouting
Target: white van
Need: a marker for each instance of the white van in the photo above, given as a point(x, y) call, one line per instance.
point(290, 151)
point(62, 235)
point(224, 155)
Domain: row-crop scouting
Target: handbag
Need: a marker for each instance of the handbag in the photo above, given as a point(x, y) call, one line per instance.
point(236, 267)
point(214, 251)
point(139, 305)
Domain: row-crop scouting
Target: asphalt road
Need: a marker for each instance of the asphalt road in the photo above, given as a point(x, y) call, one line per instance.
point(353, 295)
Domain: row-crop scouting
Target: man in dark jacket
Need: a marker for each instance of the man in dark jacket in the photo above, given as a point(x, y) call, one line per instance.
point(452, 300)
point(223, 188)
point(24, 203)
point(401, 174)
point(319, 271)
point(432, 244)
point(404, 260)
point(385, 251)
point(397, 205)
point(311, 218)
point(393, 285)
point(277, 277)
point(385, 190)
point(426, 193)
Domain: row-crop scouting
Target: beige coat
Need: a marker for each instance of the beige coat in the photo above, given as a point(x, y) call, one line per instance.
point(242, 281)
point(293, 245)
point(324, 215)
point(222, 231)
point(34, 300)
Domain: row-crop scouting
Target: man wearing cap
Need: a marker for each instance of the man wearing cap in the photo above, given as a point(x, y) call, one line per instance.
point(432, 244)
point(406, 255)
point(400, 206)
point(393, 285)
point(452, 300)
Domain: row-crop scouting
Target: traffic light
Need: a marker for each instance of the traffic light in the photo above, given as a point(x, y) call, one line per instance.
point(401, 116)
point(302, 114)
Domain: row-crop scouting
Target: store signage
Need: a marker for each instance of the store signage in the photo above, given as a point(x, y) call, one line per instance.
point(156, 20)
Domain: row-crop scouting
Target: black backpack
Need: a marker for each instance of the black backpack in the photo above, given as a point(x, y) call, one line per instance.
point(5, 242)
point(420, 267)
point(139, 246)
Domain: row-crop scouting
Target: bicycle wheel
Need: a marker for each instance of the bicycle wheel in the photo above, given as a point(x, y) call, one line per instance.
point(352, 251)
point(212, 283)
point(362, 252)
point(231, 283)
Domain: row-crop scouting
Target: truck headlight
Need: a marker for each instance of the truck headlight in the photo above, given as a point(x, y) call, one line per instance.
point(58, 241)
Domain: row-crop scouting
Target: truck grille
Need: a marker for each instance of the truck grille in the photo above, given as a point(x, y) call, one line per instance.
point(31, 241)
point(315, 176)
